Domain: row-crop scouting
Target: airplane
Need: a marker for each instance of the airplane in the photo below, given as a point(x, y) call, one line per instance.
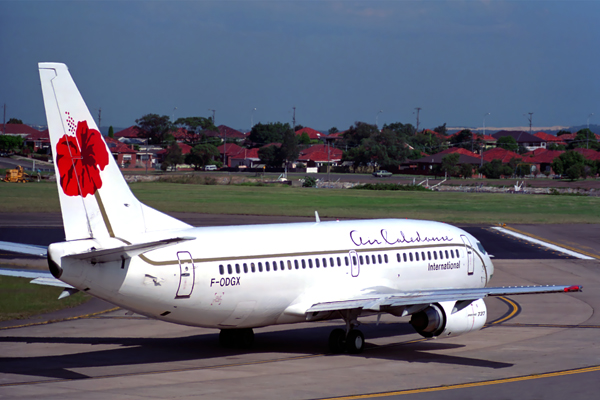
point(236, 278)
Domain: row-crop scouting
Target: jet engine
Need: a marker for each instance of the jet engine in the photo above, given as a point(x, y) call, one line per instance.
point(450, 318)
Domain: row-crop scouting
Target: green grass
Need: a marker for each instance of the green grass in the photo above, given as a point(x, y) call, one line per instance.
point(476, 208)
point(20, 299)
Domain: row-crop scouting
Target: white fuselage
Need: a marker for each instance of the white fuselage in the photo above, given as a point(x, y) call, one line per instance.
point(258, 275)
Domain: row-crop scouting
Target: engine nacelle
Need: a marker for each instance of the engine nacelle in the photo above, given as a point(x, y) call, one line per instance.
point(450, 318)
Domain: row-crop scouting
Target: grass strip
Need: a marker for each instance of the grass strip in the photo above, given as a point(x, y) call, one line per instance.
point(20, 299)
point(451, 207)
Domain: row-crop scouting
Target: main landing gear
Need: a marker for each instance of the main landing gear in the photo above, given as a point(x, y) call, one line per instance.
point(236, 338)
point(350, 340)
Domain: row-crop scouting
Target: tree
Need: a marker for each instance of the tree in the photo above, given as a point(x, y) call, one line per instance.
point(11, 142)
point(332, 130)
point(495, 169)
point(563, 132)
point(304, 138)
point(465, 140)
point(387, 149)
point(566, 160)
point(14, 121)
point(196, 128)
point(575, 171)
point(154, 127)
point(289, 146)
point(172, 157)
point(466, 170)
point(584, 139)
point(508, 143)
point(441, 130)
point(358, 132)
point(262, 134)
point(270, 156)
point(554, 146)
point(298, 127)
point(449, 163)
point(401, 129)
point(111, 132)
point(201, 155)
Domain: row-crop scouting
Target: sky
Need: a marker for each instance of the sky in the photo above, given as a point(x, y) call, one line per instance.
point(336, 62)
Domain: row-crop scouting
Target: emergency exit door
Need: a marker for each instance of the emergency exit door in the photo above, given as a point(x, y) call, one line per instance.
point(186, 274)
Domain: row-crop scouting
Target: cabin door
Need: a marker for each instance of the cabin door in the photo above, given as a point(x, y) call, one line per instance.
point(469, 250)
point(186, 274)
point(354, 263)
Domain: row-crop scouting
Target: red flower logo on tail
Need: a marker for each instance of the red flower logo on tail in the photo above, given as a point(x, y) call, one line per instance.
point(80, 159)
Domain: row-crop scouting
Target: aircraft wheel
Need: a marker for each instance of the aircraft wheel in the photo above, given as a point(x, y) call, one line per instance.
point(245, 338)
point(355, 341)
point(227, 337)
point(337, 341)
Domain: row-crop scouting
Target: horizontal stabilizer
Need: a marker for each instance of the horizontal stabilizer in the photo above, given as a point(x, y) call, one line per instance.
point(51, 282)
point(38, 277)
point(21, 248)
point(125, 252)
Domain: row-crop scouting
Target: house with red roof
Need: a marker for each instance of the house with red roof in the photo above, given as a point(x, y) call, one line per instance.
point(130, 135)
point(124, 154)
point(498, 153)
point(542, 159)
point(226, 133)
point(589, 154)
point(424, 165)
point(558, 140)
point(523, 139)
point(320, 154)
point(227, 150)
point(38, 140)
point(312, 134)
point(245, 158)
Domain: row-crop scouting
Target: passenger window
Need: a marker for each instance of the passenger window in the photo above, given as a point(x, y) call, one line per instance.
point(245, 268)
point(379, 258)
point(353, 260)
point(221, 270)
point(367, 257)
point(316, 262)
point(446, 251)
point(324, 263)
point(331, 264)
point(282, 265)
point(237, 268)
point(267, 266)
point(416, 256)
point(347, 263)
point(410, 256)
point(252, 267)
point(361, 259)
point(404, 255)
point(229, 271)
point(434, 255)
point(289, 264)
point(429, 255)
point(259, 267)
point(398, 256)
point(304, 263)
point(296, 264)
point(441, 255)
point(385, 258)
point(310, 263)
point(274, 265)
point(423, 255)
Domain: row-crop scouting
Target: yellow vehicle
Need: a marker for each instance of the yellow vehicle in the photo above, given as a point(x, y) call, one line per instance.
point(16, 175)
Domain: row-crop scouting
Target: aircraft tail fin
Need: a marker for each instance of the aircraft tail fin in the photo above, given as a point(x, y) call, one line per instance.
point(95, 199)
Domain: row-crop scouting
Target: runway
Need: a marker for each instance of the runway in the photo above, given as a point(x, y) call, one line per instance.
point(127, 356)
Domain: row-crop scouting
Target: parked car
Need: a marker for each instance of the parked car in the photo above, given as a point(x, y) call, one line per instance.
point(382, 173)
point(210, 167)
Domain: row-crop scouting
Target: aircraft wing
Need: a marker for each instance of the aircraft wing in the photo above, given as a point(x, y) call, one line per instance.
point(38, 277)
point(30, 249)
point(379, 299)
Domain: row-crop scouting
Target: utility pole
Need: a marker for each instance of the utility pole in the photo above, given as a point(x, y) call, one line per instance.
point(587, 134)
point(377, 119)
point(294, 119)
point(530, 118)
point(213, 115)
point(4, 123)
point(100, 119)
point(418, 110)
